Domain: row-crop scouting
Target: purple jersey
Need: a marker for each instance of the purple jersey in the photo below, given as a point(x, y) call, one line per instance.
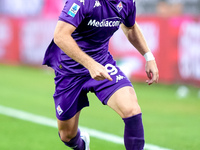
point(95, 22)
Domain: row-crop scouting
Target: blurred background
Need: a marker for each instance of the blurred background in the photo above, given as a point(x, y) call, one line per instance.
point(171, 28)
point(171, 109)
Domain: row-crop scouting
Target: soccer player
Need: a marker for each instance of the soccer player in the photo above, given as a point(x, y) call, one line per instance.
point(82, 63)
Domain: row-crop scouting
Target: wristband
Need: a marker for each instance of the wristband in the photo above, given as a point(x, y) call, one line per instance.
point(149, 56)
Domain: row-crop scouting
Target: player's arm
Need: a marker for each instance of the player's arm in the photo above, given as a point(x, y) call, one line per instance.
point(137, 39)
point(64, 40)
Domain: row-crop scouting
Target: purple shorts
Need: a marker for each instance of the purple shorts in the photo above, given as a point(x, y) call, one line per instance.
point(71, 91)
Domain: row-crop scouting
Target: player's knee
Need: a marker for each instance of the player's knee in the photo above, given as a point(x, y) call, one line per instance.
point(131, 111)
point(66, 136)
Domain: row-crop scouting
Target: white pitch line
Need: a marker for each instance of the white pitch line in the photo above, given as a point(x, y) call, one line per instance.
point(53, 123)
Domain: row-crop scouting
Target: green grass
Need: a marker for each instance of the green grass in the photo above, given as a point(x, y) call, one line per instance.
point(169, 121)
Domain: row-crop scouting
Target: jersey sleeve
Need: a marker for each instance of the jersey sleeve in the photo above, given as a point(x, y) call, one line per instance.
point(74, 12)
point(130, 20)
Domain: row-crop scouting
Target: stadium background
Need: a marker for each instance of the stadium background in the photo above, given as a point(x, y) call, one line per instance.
point(172, 31)
point(171, 28)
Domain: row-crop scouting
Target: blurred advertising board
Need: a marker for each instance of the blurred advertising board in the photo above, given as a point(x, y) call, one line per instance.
point(34, 37)
point(189, 51)
point(9, 44)
point(175, 42)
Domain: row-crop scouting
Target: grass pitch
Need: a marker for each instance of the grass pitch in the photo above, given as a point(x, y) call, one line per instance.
point(169, 121)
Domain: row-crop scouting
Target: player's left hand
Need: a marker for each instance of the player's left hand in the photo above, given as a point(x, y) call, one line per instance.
point(152, 72)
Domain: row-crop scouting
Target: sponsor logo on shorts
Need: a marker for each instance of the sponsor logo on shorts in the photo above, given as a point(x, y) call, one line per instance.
point(59, 110)
point(73, 10)
point(119, 77)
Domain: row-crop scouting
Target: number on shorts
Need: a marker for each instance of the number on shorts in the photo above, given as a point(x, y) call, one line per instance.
point(111, 69)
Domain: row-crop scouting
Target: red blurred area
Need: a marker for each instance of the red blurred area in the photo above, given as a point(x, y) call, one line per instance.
point(175, 42)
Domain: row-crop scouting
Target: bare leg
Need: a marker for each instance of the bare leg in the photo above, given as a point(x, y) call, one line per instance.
point(68, 128)
point(124, 102)
point(70, 134)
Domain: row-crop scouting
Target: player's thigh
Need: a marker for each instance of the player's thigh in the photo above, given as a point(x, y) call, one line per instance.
point(124, 102)
point(68, 128)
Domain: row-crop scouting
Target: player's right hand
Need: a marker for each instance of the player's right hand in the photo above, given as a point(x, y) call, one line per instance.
point(98, 72)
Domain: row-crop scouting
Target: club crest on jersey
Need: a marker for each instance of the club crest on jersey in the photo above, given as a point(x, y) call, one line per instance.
point(59, 110)
point(73, 10)
point(119, 7)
